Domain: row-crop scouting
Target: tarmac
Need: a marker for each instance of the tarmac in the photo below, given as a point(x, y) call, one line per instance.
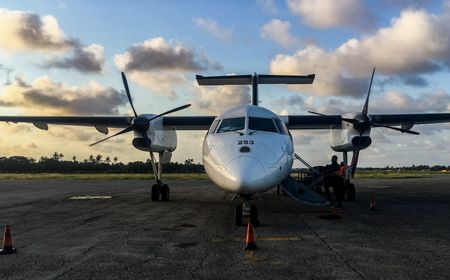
point(112, 230)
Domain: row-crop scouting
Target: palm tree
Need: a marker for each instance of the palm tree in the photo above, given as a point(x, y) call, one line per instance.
point(56, 156)
point(98, 158)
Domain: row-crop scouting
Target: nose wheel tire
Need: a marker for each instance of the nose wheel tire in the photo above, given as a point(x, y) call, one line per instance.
point(254, 215)
point(238, 215)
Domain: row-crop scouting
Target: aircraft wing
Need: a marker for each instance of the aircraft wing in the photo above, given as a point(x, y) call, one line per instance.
point(312, 122)
point(180, 123)
point(409, 119)
point(334, 121)
point(119, 122)
point(189, 122)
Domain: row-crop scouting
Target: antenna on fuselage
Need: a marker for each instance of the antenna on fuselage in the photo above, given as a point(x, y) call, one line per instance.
point(254, 80)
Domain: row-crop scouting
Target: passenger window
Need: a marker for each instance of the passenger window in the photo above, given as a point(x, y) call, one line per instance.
point(232, 124)
point(261, 124)
point(213, 126)
point(281, 126)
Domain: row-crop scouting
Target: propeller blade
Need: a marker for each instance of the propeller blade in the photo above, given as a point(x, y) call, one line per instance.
point(398, 129)
point(128, 129)
point(127, 90)
point(366, 105)
point(315, 113)
point(170, 111)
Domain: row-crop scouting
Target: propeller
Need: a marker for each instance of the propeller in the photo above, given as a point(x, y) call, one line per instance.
point(362, 123)
point(139, 124)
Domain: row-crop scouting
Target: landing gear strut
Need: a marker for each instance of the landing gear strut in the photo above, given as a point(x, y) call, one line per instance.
point(246, 210)
point(349, 188)
point(160, 191)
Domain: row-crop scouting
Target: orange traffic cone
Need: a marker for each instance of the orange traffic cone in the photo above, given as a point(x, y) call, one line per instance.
point(250, 239)
point(372, 204)
point(7, 243)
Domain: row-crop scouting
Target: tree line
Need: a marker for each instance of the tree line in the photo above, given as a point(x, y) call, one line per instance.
point(56, 163)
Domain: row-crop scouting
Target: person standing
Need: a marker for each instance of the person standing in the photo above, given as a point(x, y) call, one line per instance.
point(333, 179)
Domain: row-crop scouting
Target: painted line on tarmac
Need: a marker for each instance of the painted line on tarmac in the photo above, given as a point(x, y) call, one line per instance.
point(260, 238)
point(89, 197)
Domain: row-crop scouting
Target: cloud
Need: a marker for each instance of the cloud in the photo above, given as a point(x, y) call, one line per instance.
point(391, 102)
point(24, 31)
point(278, 31)
point(44, 96)
point(157, 54)
point(415, 43)
point(28, 32)
point(212, 27)
point(268, 6)
point(398, 102)
point(215, 100)
point(405, 3)
point(161, 66)
point(89, 59)
point(415, 81)
point(293, 105)
point(331, 13)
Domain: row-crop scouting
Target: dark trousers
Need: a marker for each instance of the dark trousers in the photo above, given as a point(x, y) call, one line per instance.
point(337, 182)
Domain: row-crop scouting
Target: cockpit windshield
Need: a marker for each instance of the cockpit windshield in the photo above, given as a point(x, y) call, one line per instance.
point(231, 124)
point(262, 124)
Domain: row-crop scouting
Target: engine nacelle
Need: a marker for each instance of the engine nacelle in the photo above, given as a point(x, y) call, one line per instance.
point(162, 138)
point(347, 138)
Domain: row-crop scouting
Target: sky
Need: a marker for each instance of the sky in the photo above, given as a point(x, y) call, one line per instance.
point(65, 57)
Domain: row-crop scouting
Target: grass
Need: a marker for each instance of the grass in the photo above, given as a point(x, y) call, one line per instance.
point(99, 176)
point(199, 176)
point(393, 174)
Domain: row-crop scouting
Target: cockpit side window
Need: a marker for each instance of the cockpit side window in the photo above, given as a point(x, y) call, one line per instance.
point(231, 124)
point(213, 127)
point(262, 124)
point(281, 126)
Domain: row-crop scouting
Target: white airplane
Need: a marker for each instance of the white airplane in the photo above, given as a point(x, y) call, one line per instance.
point(248, 149)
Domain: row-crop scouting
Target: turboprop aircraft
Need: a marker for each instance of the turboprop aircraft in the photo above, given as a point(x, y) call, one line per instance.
point(248, 149)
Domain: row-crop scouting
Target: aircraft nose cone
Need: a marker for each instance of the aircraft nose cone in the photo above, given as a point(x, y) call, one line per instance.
point(245, 174)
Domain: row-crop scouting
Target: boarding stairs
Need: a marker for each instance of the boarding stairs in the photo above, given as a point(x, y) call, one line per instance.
point(305, 194)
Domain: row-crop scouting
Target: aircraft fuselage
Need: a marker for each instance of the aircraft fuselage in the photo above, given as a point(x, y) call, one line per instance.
point(247, 150)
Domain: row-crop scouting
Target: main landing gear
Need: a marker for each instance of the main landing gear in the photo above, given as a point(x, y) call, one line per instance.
point(246, 211)
point(160, 191)
point(349, 187)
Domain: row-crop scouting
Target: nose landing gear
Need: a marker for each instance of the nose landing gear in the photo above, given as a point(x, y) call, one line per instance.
point(246, 211)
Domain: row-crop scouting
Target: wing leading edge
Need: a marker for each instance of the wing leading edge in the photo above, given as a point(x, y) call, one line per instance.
point(335, 121)
point(180, 123)
point(204, 122)
point(116, 122)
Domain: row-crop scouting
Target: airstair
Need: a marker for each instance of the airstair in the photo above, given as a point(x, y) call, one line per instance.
point(305, 194)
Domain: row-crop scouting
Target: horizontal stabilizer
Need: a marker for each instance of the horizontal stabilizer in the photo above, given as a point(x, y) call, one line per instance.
point(286, 79)
point(247, 79)
point(224, 80)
